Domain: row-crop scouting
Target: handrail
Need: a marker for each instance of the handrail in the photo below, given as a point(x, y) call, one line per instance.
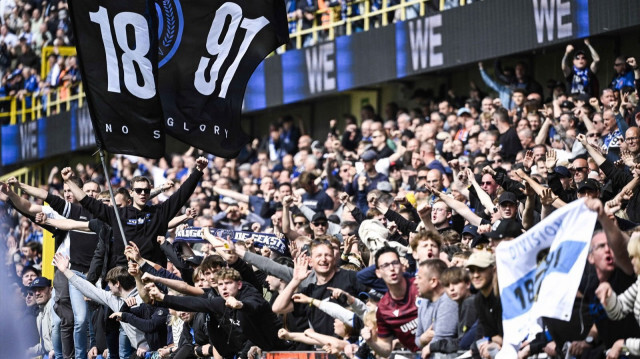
point(41, 105)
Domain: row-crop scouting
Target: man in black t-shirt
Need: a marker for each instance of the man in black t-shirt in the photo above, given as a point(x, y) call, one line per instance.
point(322, 261)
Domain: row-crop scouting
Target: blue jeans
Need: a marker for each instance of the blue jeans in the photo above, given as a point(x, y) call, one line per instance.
point(80, 319)
point(125, 348)
point(55, 334)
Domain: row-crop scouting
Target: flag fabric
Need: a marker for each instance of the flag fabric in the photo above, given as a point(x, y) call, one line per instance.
point(202, 85)
point(531, 290)
point(117, 53)
point(194, 235)
point(151, 67)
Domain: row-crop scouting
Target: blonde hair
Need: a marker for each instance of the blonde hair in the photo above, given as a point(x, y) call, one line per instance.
point(633, 247)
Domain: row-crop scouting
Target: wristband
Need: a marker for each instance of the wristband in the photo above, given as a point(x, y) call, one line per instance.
point(311, 302)
point(198, 351)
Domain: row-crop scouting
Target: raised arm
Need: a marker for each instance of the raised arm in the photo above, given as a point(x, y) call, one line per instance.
point(460, 208)
point(78, 193)
point(63, 224)
point(566, 70)
point(20, 203)
point(617, 239)
point(485, 199)
point(594, 56)
point(231, 194)
point(286, 219)
point(283, 303)
point(36, 192)
point(594, 153)
point(537, 187)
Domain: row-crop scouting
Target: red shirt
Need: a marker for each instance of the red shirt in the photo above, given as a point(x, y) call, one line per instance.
point(399, 318)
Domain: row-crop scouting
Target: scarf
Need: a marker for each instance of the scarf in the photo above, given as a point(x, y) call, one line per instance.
point(580, 80)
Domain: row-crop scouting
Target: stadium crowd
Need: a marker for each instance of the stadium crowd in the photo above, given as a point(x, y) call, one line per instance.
point(380, 236)
point(26, 27)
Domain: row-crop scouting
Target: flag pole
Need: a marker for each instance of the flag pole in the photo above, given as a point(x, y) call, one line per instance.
point(113, 199)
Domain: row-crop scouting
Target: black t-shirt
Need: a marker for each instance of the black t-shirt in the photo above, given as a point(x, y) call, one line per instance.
point(319, 320)
point(318, 201)
point(511, 145)
point(609, 330)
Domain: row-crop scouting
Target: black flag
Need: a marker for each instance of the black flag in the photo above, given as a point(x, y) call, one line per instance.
point(208, 51)
point(117, 49)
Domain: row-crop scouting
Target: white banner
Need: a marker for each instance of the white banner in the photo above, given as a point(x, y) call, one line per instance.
point(529, 291)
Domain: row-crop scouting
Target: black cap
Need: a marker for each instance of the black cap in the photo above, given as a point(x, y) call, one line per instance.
point(479, 240)
point(579, 52)
point(472, 230)
point(508, 228)
point(40, 282)
point(563, 172)
point(508, 197)
point(30, 269)
point(195, 260)
point(589, 184)
point(371, 294)
point(319, 216)
point(567, 104)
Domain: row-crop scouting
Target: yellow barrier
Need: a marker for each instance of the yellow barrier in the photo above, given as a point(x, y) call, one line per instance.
point(15, 109)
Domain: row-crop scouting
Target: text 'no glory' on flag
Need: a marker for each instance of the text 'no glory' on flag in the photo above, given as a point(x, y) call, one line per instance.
point(166, 66)
point(531, 290)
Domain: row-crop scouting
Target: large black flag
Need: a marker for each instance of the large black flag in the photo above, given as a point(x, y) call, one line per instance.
point(117, 49)
point(208, 51)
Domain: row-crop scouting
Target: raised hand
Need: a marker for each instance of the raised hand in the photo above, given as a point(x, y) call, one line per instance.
point(133, 269)
point(154, 293)
point(551, 159)
point(343, 197)
point(132, 252)
point(117, 316)
point(201, 163)
point(569, 49)
point(61, 262)
point(527, 161)
point(489, 170)
point(627, 158)
point(301, 268)
point(547, 197)
point(66, 173)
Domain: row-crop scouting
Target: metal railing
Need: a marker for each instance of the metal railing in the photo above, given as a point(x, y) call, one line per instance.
point(31, 106)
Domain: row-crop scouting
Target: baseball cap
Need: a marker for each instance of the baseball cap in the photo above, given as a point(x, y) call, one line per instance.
point(507, 197)
point(384, 186)
point(590, 184)
point(369, 155)
point(371, 294)
point(567, 104)
point(229, 201)
point(195, 260)
point(319, 216)
point(563, 171)
point(40, 282)
point(464, 111)
point(472, 230)
point(508, 228)
point(481, 259)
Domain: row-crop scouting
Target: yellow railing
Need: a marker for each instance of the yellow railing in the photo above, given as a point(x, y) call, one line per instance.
point(328, 29)
point(33, 175)
point(55, 101)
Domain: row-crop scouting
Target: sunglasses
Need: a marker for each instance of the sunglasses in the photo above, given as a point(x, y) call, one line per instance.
point(420, 178)
point(30, 294)
point(317, 224)
point(487, 183)
point(632, 139)
point(299, 223)
point(581, 169)
point(142, 190)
